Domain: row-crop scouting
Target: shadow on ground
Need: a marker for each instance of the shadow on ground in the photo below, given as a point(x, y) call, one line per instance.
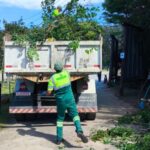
point(37, 120)
point(49, 137)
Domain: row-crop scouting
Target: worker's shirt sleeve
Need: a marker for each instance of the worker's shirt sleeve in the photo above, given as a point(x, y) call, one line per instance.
point(50, 84)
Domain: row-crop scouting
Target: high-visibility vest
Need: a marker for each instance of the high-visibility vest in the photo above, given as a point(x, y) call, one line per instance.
point(55, 13)
point(59, 80)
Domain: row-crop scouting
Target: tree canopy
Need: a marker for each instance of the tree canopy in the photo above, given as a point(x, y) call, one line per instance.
point(136, 12)
point(76, 22)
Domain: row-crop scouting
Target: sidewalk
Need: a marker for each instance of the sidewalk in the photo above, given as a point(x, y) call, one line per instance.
point(111, 106)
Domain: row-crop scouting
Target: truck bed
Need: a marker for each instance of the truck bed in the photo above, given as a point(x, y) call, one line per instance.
point(16, 61)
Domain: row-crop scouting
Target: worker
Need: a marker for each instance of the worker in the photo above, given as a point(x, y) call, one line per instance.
point(52, 22)
point(56, 12)
point(54, 16)
point(61, 84)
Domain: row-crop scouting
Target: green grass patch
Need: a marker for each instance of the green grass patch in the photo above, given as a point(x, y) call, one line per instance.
point(115, 133)
point(144, 143)
point(141, 143)
point(5, 88)
point(120, 132)
point(121, 137)
point(126, 138)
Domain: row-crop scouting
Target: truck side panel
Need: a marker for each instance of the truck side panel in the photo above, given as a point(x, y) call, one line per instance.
point(14, 58)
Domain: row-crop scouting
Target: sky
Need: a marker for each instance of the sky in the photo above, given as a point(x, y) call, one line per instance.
point(30, 10)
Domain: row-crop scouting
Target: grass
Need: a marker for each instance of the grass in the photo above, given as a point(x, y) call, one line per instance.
point(142, 118)
point(110, 134)
point(121, 137)
point(5, 88)
point(127, 138)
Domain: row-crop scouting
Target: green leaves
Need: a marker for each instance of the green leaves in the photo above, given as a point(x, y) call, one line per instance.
point(108, 136)
point(75, 22)
point(120, 132)
point(73, 45)
point(142, 117)
point(90, 51)
point(130, 11)
point(24, 41)
point(99, 135)
point(32, 54)
point(145, 142)
point(125, 138)
point(20, 39)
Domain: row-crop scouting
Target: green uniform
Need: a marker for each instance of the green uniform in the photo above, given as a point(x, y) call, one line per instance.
point(60, 83)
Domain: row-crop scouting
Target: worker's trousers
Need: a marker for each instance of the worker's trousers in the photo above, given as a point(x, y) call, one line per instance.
point(70, 106)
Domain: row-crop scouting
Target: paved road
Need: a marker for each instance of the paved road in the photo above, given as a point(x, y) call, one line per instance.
point(40, 134)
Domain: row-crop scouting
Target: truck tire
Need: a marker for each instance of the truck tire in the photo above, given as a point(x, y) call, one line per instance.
point(91, 116)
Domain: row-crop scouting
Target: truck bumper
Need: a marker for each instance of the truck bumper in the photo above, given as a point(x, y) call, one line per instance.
point(34, 110)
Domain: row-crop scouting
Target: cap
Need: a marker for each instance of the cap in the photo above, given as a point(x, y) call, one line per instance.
point(58, 66)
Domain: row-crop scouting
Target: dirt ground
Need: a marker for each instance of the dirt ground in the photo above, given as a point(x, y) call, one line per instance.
point(40, 134)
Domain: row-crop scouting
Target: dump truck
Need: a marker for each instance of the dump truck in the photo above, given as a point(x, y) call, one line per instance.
point(31, 77)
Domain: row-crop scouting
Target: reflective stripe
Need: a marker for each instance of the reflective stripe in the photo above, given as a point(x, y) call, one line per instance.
point(76, 118)
point(50, 87)
point(61, 87)
point(52, 78)
point(54, 85)
point(59, 124)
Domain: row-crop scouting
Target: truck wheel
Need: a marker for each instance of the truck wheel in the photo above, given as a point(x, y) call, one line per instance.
point(91, 116)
